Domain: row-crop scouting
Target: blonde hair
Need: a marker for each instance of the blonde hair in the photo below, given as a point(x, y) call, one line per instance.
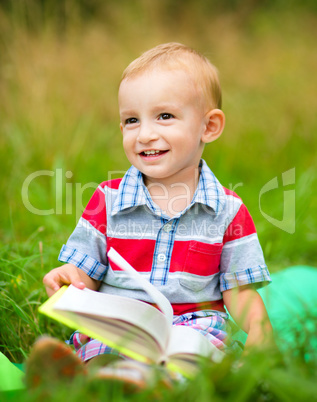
point(177, 56)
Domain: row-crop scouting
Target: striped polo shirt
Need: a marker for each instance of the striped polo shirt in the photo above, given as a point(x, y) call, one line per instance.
point(192, 257)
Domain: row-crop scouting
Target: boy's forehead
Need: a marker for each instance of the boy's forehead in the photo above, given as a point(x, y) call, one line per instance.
point(160, 76)
point(158, 87)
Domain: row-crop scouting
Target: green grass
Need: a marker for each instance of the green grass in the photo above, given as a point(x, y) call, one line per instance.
point(261, 376)
point(58, 112)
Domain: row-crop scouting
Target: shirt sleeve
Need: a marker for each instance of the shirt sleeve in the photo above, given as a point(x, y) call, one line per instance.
point(242, 260)
point(86, 247)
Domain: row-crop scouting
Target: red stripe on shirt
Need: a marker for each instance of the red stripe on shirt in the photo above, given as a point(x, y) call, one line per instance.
point(241, 226)
point(111, 183)
point(138, 253)
point(183, 308)
point(95, 211)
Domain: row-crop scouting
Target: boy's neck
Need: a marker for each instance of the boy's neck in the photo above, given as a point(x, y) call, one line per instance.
point(173, 196)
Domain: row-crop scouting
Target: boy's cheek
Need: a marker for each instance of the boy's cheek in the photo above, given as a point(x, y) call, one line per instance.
point(127, 146)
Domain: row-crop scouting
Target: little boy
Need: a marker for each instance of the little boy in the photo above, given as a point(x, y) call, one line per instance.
point(169, 216)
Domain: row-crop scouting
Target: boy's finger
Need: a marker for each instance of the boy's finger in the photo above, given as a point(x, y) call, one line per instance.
point(56, 278)
point(75, 279)
point(52, 284)
point(52, 281)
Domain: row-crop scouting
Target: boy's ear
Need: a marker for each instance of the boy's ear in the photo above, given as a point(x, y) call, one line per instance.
point(215, 123)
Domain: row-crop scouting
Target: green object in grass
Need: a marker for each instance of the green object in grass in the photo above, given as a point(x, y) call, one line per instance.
point(291, 302)
point(11, 376)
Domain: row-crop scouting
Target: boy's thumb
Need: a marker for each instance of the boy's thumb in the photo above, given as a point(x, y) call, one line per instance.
point(79, 285)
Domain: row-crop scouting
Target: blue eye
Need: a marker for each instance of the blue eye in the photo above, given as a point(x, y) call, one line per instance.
point(166, 116)
point(131, 120)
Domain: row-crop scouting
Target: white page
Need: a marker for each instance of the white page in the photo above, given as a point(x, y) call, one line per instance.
point(138, 313)
point(185, 340)
point(158, 298)
point(121, 334)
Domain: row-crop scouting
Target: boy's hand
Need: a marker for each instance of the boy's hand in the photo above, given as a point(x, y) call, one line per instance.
point(248, 310)
point(64, 275)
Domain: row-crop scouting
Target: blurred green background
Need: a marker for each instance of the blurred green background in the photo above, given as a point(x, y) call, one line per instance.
point(60, 65)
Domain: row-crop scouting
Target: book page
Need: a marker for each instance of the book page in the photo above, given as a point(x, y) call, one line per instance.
point(120, 335)
point(116, 308)
point(158, 298)
point(189, 344)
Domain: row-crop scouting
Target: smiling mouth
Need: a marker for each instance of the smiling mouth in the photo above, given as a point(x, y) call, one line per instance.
point(152, 152)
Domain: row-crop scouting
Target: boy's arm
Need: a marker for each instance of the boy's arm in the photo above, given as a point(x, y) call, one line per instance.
point(246, 307)
point(65, 275)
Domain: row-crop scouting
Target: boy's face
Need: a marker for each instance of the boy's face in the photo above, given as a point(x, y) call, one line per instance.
point(162, 122)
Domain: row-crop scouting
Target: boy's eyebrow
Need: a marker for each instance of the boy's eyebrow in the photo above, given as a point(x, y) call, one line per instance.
point(163, 107)
point(128, 112)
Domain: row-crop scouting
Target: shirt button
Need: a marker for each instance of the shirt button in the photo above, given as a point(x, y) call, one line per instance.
point(161, 257)
point(167, 228)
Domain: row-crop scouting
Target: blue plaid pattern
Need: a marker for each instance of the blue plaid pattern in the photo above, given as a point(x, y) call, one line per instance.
point(131, 191)
point(163, 247)
point(90, 266)
point(240, 278)
point(209, 191)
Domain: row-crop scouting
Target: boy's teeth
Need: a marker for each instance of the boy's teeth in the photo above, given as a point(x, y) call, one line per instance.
point(152, 152)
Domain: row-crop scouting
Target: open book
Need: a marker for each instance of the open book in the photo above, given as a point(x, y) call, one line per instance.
point(135, 328)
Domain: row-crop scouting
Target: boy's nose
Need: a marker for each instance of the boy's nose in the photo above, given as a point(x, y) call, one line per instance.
point(146, 134)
